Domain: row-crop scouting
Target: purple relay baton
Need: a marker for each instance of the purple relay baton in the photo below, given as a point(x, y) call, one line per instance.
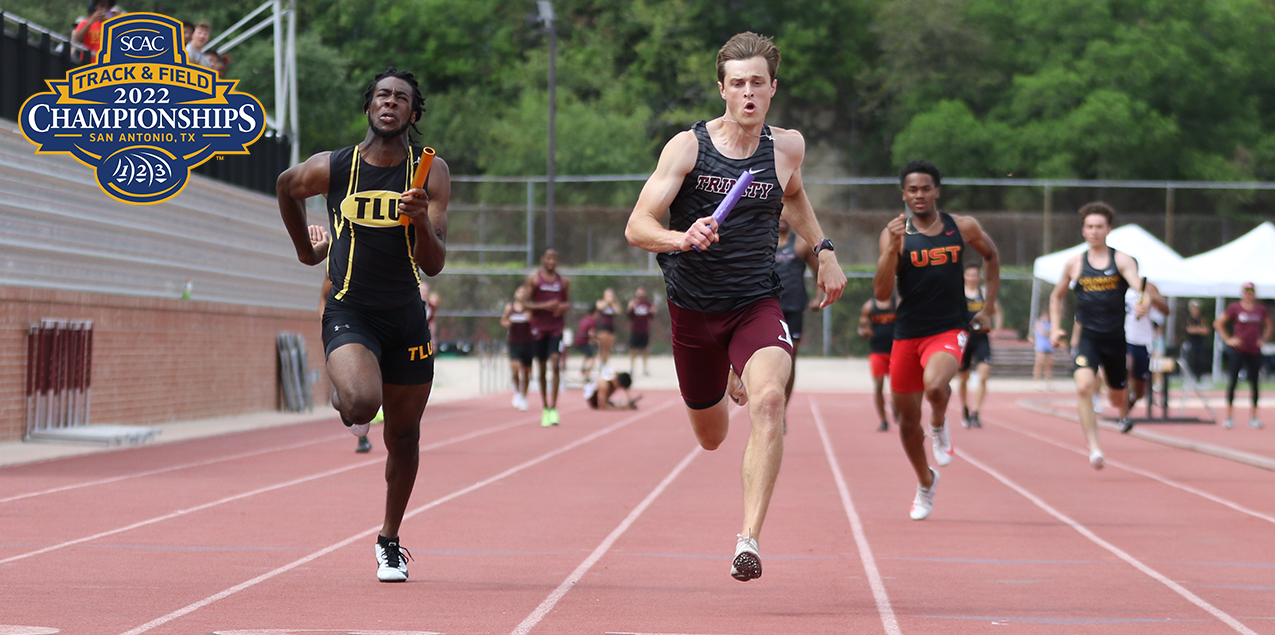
point(732, 197)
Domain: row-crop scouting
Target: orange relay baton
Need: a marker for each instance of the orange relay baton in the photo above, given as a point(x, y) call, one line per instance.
point(418, 179)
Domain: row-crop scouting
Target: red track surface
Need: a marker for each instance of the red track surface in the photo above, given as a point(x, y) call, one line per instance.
point(616, 523)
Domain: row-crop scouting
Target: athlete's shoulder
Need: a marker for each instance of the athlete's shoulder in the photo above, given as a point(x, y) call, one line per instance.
point(788, 141)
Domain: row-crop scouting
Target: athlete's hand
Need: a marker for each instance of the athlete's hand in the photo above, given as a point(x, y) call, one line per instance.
point(1056, 337)
point(414, 204)
point(702, 233)
point(815, 305)
point(318, 238)
point(1140, 309)
point(981, 322)
point(897, 228)
point(831, 279)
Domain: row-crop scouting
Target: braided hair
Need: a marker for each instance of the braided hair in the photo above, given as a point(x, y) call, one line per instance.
point(418, 99)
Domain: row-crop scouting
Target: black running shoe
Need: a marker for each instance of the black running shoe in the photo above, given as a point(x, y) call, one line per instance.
point(975, 422)
point(364, 447)
point(884, 427)
point(1126, 424)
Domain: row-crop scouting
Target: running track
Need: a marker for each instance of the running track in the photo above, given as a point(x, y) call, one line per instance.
point(616, 523)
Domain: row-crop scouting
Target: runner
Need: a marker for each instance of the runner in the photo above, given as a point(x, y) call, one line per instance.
point(791, 259)
point(924, 253)
point(1249, 325)
point(549, 302)
point(978, 347)
point(1101, 275)
point(876, 324)
point(517, 319)
point(1044, 353)
point(640, 312)
point(598, 393)
point(586, 339)
point(1139, 335)
point(608, 307)
point(377, 342)
point(722, 295)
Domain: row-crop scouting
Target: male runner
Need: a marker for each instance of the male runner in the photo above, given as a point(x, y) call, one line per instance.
point(791, 259)
point(517, 319)
point(722, 298)
point(1102, 275)
point(1139, 335)
point(640, 312)
point(550, 300)
point(1249, 326)
point(374, 330)
point(876, 324)
point(924, 254)
point(978, 347)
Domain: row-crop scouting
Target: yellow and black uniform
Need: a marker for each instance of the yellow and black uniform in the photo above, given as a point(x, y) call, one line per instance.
point(978, 346)
point(1100, 309)
point(375, 299)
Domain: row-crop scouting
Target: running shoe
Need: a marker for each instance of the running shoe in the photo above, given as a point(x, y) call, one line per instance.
point(1096, 459)
point(965, 417)
point(943, 449)
point(380, 416)
point(1255, 424)
point(545, 419)
point(975, 422)
point(391, 560)
point(516, 402)
point(358, 430)
point(747, 563)
point(884, 427)
point(553, 416)
point(923, 504)
point(522, 403)
point(1126, 424)
point(1228, 424)
point(364, 446)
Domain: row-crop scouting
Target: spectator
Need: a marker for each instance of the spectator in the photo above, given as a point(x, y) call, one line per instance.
point(195, 46)
point(1199, 340)
point(88, 33)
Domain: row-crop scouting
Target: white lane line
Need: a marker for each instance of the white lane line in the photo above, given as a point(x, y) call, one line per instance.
point(547, 605)
point(884, 610)
point(1116, 551)
point(262, 490)
point(195, 606)
point(1141, 472)
point(184, 466)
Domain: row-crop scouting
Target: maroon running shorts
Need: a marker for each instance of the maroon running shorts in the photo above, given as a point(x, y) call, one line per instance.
point(707, 345)
point(909, 357)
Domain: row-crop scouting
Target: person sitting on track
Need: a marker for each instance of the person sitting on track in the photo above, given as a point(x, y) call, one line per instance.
point(599, 392)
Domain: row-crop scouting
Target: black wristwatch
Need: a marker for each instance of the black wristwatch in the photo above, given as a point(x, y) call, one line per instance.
point(823, 244)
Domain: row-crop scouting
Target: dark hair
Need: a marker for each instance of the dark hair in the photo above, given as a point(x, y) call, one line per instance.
point(745, 46)
point(624, 380)
point(418, 100)
point(1100, 208)
point(924, 167)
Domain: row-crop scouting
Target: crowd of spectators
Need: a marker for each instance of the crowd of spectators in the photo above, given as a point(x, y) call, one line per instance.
point(87, 32)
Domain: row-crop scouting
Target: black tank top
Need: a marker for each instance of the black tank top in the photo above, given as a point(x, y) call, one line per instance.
point(882, 327)
point(1100, 297)
point(792, 270)
point(370, 260)
point(931, 283)
point(740, 269)
point(973, 306)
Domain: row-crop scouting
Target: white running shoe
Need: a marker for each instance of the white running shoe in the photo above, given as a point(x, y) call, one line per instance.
point(522, 403)
point(359, 430)
point(1097, 460)
point(515, 401)
point(1255, 424)
point(391, 560)
point(923, 504)
point(747, 563)
point(943, 449)
point(1228, 424)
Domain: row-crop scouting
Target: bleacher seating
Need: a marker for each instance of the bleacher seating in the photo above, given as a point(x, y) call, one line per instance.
point(60, 231)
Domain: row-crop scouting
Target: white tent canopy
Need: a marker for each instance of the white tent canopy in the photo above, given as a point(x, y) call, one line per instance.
point(1156, 261)
point(1249, 258)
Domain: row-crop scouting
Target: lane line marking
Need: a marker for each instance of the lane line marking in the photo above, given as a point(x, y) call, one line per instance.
point(1141, 472)
point(261, 490)
point(884, 610)
point(547, 605)
point(190, 608)
point(183, 466)
point(1114, 550)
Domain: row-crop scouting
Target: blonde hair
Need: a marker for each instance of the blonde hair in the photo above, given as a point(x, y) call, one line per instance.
point(745, 46)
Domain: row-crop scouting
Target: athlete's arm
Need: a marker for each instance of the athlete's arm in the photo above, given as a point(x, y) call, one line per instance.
point(1221, 326)
point(865, 320)
point(1128, 268)
point(800, 214)
point(891, 244)
point(808, 256)
point(561, 307)
point(292, 188)
point(1266, 332)
point(428, 210)
point(646, 228)
point(974, 236)
point(504, 317)
point(1157, 300)
point(1056, 298)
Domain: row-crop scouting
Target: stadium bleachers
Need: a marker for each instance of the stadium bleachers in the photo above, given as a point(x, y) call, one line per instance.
point(58, 230)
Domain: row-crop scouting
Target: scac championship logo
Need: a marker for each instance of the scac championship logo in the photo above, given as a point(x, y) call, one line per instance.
point(142, 117)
